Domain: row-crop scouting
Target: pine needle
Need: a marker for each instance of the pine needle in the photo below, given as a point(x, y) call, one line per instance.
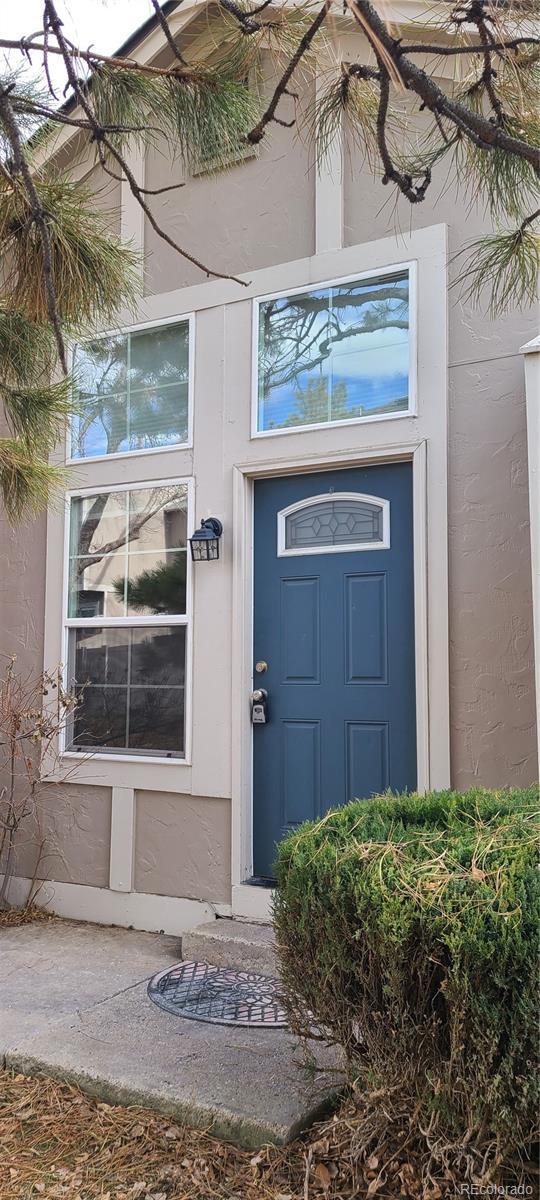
point(93, 271)
point(505, 263)
point(26, 482)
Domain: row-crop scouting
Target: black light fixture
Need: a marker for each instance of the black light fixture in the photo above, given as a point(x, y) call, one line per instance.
point(205, 541)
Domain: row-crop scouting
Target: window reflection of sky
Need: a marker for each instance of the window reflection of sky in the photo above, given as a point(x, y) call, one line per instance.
point(317, 367)
point(132, 392)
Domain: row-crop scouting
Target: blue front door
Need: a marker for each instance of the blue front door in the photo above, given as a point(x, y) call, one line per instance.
point(334, 636)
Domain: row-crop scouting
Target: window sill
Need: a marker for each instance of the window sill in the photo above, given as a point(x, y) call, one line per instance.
point(367, 420)
point(86, 756)
point(141, 774)
point(127, 454)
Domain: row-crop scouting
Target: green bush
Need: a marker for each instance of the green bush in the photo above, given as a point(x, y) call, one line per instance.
point(407, 930)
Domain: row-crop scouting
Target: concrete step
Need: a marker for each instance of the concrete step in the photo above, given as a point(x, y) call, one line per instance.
point(88, 1020)
point(227, 943)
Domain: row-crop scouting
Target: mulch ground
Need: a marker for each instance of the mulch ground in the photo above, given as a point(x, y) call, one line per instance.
point(59, 1144)
point(10, 917)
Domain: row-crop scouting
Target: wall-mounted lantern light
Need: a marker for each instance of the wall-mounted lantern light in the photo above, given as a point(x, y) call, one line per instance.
point(205, 541)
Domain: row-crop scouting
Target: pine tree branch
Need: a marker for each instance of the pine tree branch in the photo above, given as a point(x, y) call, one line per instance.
point(244, 19)
point(101, 139)
point(156, 5)
point(170, 187)
point(93, 58)
point(475, 126)
point(19, 167)
point(414, 192)
point(256, 134)
point(535, 216)
point(452, 51)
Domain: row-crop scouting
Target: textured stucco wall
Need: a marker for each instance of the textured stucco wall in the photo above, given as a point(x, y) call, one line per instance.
point(182, 846)
point(67, 837)
point(492, 703)
point(259, 212)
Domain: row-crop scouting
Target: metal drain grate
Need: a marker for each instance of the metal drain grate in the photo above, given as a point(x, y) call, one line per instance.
point(218, 995)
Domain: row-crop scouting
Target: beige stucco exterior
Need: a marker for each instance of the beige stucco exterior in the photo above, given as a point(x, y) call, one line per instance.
point(280, 223)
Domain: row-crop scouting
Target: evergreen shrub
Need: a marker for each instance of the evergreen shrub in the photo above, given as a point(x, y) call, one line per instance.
point(407, 930)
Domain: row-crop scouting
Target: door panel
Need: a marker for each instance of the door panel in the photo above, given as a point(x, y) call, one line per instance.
point(301, 771)
point(366, 629)
point(337, 632)
point(367, 760)
point(300, 631)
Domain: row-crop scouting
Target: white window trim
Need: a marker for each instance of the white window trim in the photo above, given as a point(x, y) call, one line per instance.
point(182, 619)
point(137, 328)
point(344, 547)
point(410, 411)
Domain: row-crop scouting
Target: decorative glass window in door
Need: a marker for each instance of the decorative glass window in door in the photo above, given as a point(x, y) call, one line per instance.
point(342, 352)
point(336, 522)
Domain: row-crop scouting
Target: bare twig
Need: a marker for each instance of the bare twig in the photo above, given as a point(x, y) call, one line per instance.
point(256, 134)
point(166, 30)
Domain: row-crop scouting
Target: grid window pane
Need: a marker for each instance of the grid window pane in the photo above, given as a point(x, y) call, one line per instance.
point(132, 392)
point(334, 354)
point(128, 553)
point(131, 687)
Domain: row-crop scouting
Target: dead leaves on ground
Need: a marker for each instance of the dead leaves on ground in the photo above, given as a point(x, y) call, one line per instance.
point(57, 1143)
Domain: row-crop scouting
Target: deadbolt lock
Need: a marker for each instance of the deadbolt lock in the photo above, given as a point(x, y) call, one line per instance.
point(261, 667)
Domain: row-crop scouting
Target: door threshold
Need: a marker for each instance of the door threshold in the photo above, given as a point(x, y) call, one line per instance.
point(262, 881)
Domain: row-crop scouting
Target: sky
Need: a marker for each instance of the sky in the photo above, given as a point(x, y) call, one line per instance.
point(103, 24)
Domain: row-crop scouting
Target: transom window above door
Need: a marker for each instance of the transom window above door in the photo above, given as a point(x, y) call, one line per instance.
point(335, 353)
point(336, 522)
point(132, 391)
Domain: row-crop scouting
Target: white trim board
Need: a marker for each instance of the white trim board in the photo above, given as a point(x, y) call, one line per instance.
point(183, 620)
point(374, 274)
point(102, 906)
point(431, 706)
point(421, 438)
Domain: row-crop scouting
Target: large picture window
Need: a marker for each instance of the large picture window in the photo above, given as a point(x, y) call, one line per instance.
point(127, 619)
point(341, 352)
point(132, 392)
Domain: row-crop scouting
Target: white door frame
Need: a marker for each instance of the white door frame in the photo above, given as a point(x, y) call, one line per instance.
point(431, 649)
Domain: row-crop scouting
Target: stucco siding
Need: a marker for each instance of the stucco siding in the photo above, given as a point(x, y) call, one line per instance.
point(256, 213)
point(183, 846)
point(22, 593)
point(68, 838)
point(492, 701)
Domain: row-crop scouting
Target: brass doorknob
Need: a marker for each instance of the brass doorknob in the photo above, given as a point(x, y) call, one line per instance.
point(261, 667)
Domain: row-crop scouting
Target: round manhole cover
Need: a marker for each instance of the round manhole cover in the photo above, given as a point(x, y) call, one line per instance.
point(219, 995)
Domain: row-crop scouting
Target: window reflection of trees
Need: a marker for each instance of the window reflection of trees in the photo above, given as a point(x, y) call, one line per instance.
point(136, 388)
point(158, 589)
point(300, 334)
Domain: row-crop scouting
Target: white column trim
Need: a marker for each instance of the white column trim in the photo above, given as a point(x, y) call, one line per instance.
point(531, 354)
point(328, 190)
point(122, 853)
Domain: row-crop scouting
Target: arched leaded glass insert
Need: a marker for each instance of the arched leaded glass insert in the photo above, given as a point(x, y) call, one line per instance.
point(335, 522)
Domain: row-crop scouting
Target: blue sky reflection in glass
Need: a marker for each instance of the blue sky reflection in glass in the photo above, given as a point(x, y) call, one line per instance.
point(334, 354)
point(132, 391)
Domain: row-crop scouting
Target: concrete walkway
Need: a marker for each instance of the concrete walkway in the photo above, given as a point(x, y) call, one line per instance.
point(73, 1005)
